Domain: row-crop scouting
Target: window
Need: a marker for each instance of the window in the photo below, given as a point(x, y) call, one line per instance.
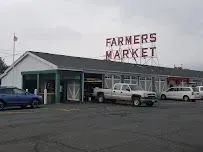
point(125, 88)
point(117, 87)
point(171, 89)
point(201, 89)
point(126, 79)
point(176, 89)
point(6, 91)
point(135, 87)
point(18, 91)
point(186, 89)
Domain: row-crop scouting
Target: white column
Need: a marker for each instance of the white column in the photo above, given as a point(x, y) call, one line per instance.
point(45, 96)
point(35, 91)
point(182, 83)
point(145, 86)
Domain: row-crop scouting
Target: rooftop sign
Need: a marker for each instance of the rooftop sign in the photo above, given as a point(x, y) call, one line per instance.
point(133, 46)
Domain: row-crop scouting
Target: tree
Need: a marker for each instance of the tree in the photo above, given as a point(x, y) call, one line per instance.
point(3, 66)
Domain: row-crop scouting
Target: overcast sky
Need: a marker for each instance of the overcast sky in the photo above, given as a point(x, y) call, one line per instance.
point(80, 27)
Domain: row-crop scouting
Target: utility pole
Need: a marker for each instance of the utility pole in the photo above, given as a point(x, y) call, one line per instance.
point(14, 41)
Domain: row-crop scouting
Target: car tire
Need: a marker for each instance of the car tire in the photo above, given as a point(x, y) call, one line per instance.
point(34, 104)
point(163, 97)
point(100, 98)
point(186, 98)
point(136, 101)
point(150, 104)
point(2, 105)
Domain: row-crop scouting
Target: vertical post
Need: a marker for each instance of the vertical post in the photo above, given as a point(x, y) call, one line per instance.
point(38, 82)
point(122, 78)
point(153, 84)
point(82, 86)
point(130, 79)
point(103, 80)
point(145, 84)
point(160, 89)
point(138, 80)
point(23, 82)
point(45, 96)
point(14, 40)
point(112, 81)
point(35, 91)
point(57, 87)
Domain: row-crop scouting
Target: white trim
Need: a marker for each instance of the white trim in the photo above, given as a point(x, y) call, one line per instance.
point(121, 72)
point(22, 57)
point(43, 60)
point(16, 62)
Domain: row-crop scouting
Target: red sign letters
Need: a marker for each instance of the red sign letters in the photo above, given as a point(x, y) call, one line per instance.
point(139, 46)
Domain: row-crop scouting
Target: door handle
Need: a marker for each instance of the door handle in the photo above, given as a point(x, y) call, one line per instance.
point(114, 91)
point(121, 92)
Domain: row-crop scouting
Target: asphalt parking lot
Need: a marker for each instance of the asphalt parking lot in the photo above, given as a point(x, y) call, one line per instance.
point(169, 126)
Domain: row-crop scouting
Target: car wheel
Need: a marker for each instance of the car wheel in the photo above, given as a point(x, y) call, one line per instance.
point(100, 98)
point(163, 97)
point(136, 101)
point(150, 104)
point(2, 105)
point(186, 98)
point(34, 104)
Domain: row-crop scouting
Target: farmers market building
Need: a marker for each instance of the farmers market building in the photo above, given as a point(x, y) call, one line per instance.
point(68, 78)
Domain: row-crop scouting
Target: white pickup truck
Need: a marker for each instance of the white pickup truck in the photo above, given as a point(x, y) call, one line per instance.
point(126, 92)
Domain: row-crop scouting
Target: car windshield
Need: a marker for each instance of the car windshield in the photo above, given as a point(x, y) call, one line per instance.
point(135, 87)
point(195, 89)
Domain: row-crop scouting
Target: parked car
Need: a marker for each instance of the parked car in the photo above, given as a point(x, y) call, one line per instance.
point(126, 92)
point(181, 93)
point(11, 96)
point(200, 89)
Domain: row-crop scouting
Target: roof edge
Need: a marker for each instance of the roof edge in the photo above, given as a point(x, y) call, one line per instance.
point(21, 58)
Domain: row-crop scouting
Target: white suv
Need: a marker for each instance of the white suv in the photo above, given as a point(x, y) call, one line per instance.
point(200, 89)
point(181, 93)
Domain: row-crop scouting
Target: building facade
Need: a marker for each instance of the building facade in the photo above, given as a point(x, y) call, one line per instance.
point(69, 78)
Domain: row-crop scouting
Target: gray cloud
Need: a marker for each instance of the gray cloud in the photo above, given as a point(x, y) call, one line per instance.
point(54, 33)
point(185, 15)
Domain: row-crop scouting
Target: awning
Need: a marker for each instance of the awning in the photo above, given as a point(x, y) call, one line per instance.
point(176, 78)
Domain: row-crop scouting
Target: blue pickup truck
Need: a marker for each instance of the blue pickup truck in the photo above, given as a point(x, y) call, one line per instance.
point(12, 96)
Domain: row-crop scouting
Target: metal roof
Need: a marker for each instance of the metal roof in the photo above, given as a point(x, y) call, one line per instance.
point(87, 64)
